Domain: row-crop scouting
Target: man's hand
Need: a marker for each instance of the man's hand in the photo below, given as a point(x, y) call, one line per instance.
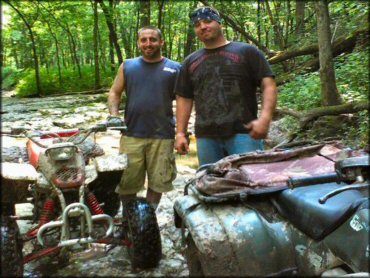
point(258, 128)
point(114, 121)
point(181, 144)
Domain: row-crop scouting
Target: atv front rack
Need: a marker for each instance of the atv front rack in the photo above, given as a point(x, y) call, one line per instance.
point(76, 210)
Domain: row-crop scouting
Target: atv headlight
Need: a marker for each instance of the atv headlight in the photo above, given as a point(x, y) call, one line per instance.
point(61, 153)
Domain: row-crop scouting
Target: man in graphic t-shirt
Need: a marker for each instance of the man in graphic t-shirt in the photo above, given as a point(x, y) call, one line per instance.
point(222, 79)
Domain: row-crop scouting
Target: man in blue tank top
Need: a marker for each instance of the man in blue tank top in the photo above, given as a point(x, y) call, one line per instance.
point(148, 82)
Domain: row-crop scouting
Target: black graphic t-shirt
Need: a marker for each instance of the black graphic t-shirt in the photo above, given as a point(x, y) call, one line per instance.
point(223, 84)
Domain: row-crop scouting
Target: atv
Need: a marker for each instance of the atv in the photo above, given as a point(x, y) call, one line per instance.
point(71, 184)
point(300, 209)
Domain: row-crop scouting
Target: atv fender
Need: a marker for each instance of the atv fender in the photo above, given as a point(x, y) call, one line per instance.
point(111, 163)
point(235, 240)
point(91, 173)
point(18, 172)
point(15, 178)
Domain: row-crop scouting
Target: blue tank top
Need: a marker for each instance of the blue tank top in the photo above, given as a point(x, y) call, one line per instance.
point(150, 91)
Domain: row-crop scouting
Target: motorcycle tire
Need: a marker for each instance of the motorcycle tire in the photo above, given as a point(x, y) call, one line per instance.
point(143, 233)
point(11, 249)
point(193, 258)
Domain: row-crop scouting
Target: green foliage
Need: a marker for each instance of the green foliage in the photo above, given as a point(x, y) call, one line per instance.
point(358, 136)
point(352, 73)
point(302, 93)
point(71, 82)
point(10, 77)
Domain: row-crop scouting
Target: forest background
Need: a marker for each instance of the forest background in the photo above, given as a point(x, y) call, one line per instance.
point(317, 49)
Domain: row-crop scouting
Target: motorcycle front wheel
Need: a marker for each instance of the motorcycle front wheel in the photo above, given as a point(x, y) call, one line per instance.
point(143, 233)
point(11, 248)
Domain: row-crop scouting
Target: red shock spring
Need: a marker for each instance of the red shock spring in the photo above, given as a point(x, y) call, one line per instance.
point(46, 213)
point(94, 204)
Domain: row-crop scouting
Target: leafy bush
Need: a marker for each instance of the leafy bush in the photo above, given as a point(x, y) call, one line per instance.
point(302, 93)
point(352, 72)
point(358, 136)
point(10, 77)
point(71, 82)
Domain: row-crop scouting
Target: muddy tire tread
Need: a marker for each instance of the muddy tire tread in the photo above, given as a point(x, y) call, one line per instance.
point(144, 234)
point(11, 249)
point(193, 258)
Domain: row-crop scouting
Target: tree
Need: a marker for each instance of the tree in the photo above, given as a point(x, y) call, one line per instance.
point(71, 39)
point(113, 35)
point(96, 51)
point(144, 13)
point(299, 17)
point(329, 91)
point(35, 56)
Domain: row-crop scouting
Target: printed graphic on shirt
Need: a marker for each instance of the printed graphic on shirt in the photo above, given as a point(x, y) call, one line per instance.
point(169, 69)
point(219, 96)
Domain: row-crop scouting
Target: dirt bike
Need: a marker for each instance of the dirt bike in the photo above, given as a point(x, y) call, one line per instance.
point(301, 211)
point(71, 183)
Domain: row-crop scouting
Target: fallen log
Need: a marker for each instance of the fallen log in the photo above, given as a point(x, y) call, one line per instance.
point(306, 117)
point(342, 44)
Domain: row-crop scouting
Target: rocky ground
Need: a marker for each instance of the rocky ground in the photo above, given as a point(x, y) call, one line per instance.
point(72, 111)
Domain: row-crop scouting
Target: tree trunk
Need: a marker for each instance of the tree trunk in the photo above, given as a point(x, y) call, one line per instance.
point(57, 52)
point(160, 13)
point(277, 31)
point(35, 57)
point(144, 13)
point(71, 53)
point(190, 35)
point(74, 51)
point(329, 91)
point(299, 18)
point(137, 28)
point(112, 31)
point(96, 48)
point(259, 23)
point(70, 35)
point(15, 54)
point(111, 53)
point(342, 44)
point(239, 29)
point(310, 115)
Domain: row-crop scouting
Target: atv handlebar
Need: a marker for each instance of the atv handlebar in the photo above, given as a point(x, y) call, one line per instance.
point(69, 134)
point(305, 181)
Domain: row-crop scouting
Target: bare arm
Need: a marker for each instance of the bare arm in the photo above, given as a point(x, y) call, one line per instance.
point(183, 111)
point(259, 127)
point(115, 92)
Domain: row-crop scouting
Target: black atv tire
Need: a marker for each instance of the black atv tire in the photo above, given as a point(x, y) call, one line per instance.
point(193, 258)
point(104, 191)
point(143, 233)
point(11, 249)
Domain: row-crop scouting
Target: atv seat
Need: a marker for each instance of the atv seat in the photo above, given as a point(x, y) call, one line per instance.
point(301, 207)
